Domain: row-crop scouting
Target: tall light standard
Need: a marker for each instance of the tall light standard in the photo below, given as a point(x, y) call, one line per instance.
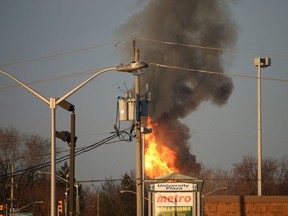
point(260, 63)
point(53, 102)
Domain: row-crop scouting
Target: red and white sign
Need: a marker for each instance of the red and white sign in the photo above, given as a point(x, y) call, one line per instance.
point(173, 199)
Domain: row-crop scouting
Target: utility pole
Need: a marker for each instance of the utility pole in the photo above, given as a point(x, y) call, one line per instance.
point(139, 171)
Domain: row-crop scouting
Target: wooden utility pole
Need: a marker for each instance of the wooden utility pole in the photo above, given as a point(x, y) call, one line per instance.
point(139, 170)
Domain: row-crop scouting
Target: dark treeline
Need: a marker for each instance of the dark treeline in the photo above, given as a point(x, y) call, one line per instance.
point(21, 152)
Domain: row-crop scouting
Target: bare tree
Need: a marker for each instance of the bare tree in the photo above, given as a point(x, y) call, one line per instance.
point(215, 179)
point(89, 202)
point(20, 155)
point(35, 152)
point(269, 176)
point(282, 175)
point(245, 176)
point(10, 144)
point(274, 176)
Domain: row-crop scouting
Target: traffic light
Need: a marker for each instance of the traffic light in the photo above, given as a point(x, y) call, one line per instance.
point(60, 206)
point(2, 210)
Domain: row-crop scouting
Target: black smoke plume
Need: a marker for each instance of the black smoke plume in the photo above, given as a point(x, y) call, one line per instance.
point(177, 93)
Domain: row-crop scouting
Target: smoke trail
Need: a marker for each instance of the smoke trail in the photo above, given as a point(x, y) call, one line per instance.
point(175, 94)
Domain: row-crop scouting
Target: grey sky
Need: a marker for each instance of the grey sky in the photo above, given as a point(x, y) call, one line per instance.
point(219, 135)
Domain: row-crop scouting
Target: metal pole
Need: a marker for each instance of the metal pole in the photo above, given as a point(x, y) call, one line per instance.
point(77, 199)
point(98, 204)
point(66, 195)
point(139, 192)
point(259, 132)
point(198, 203)
point(142, 171)
point(12, 189)
point(72, 166)
point(149, 204)
point(53, 156)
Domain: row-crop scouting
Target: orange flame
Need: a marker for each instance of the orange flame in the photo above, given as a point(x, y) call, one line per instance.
point(159, 159)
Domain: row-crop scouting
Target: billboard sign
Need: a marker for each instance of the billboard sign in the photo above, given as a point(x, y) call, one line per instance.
point(173, 203)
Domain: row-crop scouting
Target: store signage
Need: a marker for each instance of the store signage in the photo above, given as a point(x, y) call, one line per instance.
point(174, 187)
point(173, 203)
point(174, 199)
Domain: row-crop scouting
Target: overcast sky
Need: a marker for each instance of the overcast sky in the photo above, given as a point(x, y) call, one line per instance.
point(220, 136)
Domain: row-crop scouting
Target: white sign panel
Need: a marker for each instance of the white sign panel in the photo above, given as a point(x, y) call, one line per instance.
point(173, 187)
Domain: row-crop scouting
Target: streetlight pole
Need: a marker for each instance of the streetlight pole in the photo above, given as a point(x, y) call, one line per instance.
point(217, 189)
point(35, 202)
point(53, 102)
point(129, 191)
point(209, 193)
point(260, 63)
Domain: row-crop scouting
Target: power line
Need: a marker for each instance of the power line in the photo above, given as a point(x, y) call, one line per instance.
point(215, 72)
point(150, 63)
point(61, 54)
point(213, 48)
point(98, 180)
point(80, 151)
point(155, 64)
point(116, 42)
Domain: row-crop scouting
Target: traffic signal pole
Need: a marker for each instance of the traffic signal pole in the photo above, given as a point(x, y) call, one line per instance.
point(72, 167)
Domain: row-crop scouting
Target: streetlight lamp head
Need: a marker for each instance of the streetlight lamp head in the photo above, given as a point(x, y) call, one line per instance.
point(134, 68)
point(262, 62)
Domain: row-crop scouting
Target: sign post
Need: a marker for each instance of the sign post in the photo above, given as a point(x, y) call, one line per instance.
point(174, 195)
